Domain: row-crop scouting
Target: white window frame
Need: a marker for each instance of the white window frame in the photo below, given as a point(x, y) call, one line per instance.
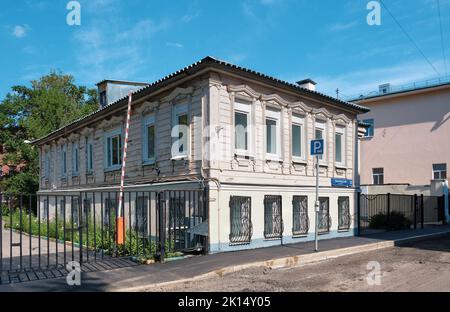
point(109, 135)
point(243, 107)
point(440, 172)
point(340, 130)
point(322, 125)
point(63, 161)
point(273, 115)
point(89, 159)
point(180, 110)
point(147, 122)
point(300, 122)
point(75, 159)
point(378, 176)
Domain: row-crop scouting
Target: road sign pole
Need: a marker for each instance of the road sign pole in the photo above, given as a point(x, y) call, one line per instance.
point(316, 205)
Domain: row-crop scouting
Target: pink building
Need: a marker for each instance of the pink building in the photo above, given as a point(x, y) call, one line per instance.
point(408, 141)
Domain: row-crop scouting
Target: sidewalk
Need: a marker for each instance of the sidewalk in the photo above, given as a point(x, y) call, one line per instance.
point(140, 278)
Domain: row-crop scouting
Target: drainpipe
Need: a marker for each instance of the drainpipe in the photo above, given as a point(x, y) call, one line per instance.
point(446, 199)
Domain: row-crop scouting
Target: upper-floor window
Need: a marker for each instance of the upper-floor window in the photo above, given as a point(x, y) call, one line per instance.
point(378, 176)
point(242, 127)
point(297, 137)
point(339, 145)
point(273, 137)
point(89, 156)
point(320, 134)
point(103, 98)
point(63, 160)
point(75, 159)
point(440, 171)
point(180, 131)
point(148, 147)
point(114, 149)
point(47, 165)
point(371, 129)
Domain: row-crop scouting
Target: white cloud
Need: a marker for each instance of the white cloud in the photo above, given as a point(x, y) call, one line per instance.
point(174, 45)
point(20, 31)
point(342, 26)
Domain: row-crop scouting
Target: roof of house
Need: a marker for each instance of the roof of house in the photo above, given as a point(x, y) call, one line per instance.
point(190, 70)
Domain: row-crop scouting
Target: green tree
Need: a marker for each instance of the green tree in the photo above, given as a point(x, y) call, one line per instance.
point(28, 113)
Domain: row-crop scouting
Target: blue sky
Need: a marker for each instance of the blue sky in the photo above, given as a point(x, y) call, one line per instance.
point(326, 40)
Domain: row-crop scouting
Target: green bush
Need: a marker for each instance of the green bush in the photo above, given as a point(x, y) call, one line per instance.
point(94, 240)
point(395, 221)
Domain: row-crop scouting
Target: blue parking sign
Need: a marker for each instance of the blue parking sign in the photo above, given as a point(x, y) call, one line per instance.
point(317, 147)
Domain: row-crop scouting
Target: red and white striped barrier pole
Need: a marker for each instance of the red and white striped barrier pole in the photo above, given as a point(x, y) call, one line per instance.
point(120, 222)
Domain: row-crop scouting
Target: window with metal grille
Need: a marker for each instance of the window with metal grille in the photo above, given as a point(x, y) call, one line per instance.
point(273, 221)
point(240, 220)
point(344, 213)
point(140, 221)
point(324, 222)
point(300, 215)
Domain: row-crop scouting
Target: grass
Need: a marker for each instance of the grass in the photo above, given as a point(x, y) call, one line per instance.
point(90, 237)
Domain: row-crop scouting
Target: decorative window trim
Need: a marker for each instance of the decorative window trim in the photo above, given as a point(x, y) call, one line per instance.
point(178, 94)
point(63, 161)
point(247, 108)
point(75, 159)
point(89, 162)
point(149, 120)
point(339, 130)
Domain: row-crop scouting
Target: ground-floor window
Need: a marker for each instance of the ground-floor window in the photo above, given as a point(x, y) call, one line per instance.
point(344, 213)
point(324, 222)
point(273, 222)
point(240, 220)
point(300, 215)
point(75, 211)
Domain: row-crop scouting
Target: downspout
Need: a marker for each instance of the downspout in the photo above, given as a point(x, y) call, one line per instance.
point(446, 199)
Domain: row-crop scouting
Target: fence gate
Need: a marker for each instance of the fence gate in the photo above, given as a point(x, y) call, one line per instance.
point(388, 212)
point(41, 234)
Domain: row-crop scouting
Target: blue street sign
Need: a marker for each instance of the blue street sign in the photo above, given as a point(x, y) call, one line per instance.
point(341, 183)
point(317, 147)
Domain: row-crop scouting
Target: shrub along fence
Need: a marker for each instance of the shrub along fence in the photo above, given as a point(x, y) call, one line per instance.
point(390, 212)
point(48, 231)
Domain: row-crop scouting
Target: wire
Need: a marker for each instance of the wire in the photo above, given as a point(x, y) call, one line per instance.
point(442, 35)
point(409, 37)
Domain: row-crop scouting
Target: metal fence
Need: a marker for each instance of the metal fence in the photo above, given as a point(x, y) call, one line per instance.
point(387, 212)
point(48, 231)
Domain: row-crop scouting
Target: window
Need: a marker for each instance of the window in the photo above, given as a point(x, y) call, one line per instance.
point(180, 132)
point(324, 215)
point(344, 214)
point(378, 176)
point(273, 139)
point(440, 171)
point(140, 220)
point(273, 222)
point(89, 156)
point(44, 212)
point(240, 220)
point(75, 211)
point(103, 98)
point(320, 135)
point(114, 149)
point(297, 137)
point(149, 140)
point(47, 165)
point(339, 144)
point(371, 130)
point(242, 128)
point(300, 215)
point(63, 161)
point(75, 159)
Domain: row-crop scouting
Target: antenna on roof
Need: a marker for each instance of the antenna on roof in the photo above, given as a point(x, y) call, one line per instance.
point(337, 93)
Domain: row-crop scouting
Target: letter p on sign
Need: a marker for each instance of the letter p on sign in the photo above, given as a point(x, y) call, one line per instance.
point(317, 147)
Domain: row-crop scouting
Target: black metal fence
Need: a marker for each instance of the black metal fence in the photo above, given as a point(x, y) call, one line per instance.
point(48, 231)
point(387, 212)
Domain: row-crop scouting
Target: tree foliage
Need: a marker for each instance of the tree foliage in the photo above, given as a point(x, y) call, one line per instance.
point(28, 113)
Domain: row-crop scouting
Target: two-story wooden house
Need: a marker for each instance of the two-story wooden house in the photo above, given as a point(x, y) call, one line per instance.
point(239, 133)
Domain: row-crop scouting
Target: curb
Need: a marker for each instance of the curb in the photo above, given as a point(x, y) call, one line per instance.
point(290, 262)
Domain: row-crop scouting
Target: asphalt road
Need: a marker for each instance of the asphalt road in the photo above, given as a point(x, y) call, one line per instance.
point(420, 266)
